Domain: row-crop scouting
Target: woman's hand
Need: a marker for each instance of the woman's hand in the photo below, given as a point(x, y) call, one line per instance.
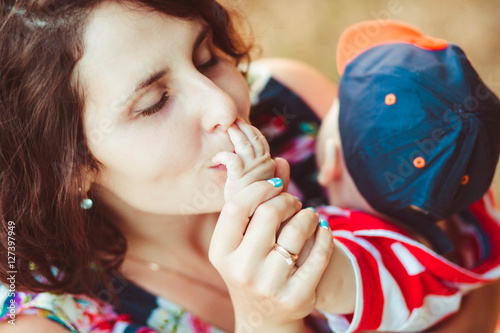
point(268, 295)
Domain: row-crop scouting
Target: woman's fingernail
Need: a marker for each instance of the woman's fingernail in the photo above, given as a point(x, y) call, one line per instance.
point(312, 208)
point(298, 199)
point(323, 224)
point(276, 182)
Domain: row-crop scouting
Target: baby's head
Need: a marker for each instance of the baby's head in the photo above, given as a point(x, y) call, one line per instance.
point(415, 135)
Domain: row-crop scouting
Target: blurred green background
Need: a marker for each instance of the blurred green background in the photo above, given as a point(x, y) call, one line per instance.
point(308, 30)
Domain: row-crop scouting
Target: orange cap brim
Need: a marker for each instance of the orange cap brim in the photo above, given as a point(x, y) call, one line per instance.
point(365, 35)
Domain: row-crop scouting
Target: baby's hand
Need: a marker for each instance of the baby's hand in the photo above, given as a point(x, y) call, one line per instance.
point(251, 160)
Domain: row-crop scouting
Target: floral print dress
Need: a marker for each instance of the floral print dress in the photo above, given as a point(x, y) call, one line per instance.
point(291, 127)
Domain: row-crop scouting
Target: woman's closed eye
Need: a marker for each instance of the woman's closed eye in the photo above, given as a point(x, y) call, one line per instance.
point(205, 55)
point(157, 107)
point(214, 60)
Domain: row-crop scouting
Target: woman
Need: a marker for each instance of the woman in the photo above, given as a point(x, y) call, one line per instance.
point(142, 101)
point(126, 104)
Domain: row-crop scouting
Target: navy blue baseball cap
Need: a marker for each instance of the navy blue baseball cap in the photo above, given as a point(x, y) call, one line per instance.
point(420, 130)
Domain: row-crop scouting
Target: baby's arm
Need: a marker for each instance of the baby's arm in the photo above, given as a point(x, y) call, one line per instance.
point(251, 160)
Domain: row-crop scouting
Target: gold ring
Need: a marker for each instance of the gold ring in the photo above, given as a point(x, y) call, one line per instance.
point(290, 257)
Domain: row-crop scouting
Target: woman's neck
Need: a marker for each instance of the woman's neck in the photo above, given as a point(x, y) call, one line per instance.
point(158, 237)
point(179, 236)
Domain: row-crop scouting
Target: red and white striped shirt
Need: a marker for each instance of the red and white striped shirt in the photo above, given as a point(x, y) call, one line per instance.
point(403, 286)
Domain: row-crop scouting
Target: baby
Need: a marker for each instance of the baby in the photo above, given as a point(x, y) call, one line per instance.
point(410, 149)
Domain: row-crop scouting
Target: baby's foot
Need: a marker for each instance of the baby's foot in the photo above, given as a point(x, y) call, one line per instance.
point(251, 160)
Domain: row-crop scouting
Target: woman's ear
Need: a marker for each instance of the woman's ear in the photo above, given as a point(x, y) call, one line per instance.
point(89, 179)
point(86, 182)
point(331, 168)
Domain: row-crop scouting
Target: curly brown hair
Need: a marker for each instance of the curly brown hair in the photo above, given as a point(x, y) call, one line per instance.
point(59, 247)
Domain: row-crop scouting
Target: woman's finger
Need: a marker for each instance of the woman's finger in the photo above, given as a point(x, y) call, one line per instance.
point(260, 235)
point(282, 171)
point(291, 240)
point(235, 215)
point(295, 232)
point(304, 281)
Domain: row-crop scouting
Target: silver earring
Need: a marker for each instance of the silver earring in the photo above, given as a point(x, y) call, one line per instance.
point(87, 202)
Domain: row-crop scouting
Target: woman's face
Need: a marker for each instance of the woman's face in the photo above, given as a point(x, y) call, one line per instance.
point(158, 98)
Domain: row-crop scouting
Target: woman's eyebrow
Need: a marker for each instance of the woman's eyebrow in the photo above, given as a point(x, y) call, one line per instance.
point(144, 84)
point(202, 35)
point(150, 80)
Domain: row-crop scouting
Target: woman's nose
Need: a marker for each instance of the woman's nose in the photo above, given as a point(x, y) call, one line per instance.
point(216, 108)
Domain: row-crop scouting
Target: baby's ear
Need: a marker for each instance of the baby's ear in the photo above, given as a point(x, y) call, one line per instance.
point(331, 168)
